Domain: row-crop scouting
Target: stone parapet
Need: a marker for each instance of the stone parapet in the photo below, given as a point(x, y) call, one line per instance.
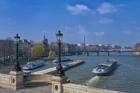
point(38, 78)
point(62, 79)
point(75, 88)
point(13, 80)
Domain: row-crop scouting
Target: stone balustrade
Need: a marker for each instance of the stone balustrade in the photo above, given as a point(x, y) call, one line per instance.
point(5, 80)
point(75, 88)
point(38, 78)
point(13, 80)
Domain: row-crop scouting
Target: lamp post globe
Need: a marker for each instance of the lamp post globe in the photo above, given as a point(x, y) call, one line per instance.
point(17, 38)
point(17, 65)
point(60, 71)
point(59, 36)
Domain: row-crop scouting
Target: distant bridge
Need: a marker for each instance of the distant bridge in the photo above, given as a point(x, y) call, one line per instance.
point(109, 52)
point(106, 51)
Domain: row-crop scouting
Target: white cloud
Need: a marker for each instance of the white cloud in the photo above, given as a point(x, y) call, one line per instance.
point(99, 33)
point(105, 20)
point(78, 9)
point(106, 8)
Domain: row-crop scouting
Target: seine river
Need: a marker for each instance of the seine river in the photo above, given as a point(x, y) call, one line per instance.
point(126, 77)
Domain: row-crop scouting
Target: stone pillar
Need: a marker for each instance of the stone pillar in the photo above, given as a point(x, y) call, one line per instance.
point(16, 80)
point(57, 84)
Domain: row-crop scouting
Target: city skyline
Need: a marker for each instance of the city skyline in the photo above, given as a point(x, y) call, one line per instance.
point(100, 21)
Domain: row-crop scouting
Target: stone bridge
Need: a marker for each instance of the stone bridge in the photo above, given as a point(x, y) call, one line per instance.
point(16, 80)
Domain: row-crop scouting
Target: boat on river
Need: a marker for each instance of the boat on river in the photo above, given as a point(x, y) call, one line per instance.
point(105, 68)
point(33, 65)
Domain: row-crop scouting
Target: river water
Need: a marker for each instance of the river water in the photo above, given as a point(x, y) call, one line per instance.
point(125, 78)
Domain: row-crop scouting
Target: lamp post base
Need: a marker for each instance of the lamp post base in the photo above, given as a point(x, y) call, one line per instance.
point(60, 71)
point(17, 68)
point(60, 74)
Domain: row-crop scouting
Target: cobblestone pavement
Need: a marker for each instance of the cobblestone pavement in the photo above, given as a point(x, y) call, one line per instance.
point(30, 88)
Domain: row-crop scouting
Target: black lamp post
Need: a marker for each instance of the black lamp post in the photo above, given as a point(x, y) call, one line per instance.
point(17, 65)
point(59, 67)
point(29, 50)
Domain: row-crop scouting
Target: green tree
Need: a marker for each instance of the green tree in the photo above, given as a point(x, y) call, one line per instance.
point(52, 55)
point(37, 50)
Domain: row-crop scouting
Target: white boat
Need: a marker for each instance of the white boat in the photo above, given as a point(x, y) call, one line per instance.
point(33, 65)
point(105, 68)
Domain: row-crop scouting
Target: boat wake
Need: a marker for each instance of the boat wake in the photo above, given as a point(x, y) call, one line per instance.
point(93, 80)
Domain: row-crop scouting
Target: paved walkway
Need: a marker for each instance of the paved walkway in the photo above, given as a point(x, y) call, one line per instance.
point(31, 88)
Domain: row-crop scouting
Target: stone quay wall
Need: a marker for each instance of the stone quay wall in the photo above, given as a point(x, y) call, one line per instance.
point(75, 88)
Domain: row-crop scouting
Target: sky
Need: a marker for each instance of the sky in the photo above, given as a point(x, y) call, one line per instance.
point(100, 21)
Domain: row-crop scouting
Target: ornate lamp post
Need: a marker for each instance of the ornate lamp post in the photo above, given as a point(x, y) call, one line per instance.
point(59, 67)
point(17, 65)
point(29, 50)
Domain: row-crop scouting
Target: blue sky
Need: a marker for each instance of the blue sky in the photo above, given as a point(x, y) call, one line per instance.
point(101, 21)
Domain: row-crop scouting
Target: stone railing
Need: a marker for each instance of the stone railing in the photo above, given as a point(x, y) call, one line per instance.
point(38, 78)
point(13, 80)
point(5, 80)
point(75, 88)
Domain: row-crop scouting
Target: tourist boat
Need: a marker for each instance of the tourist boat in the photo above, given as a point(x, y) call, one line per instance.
point(105, 68)
point(33, 65)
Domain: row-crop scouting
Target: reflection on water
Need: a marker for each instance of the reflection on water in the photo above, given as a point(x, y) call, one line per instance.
point(96, 80)
point(93, 80)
